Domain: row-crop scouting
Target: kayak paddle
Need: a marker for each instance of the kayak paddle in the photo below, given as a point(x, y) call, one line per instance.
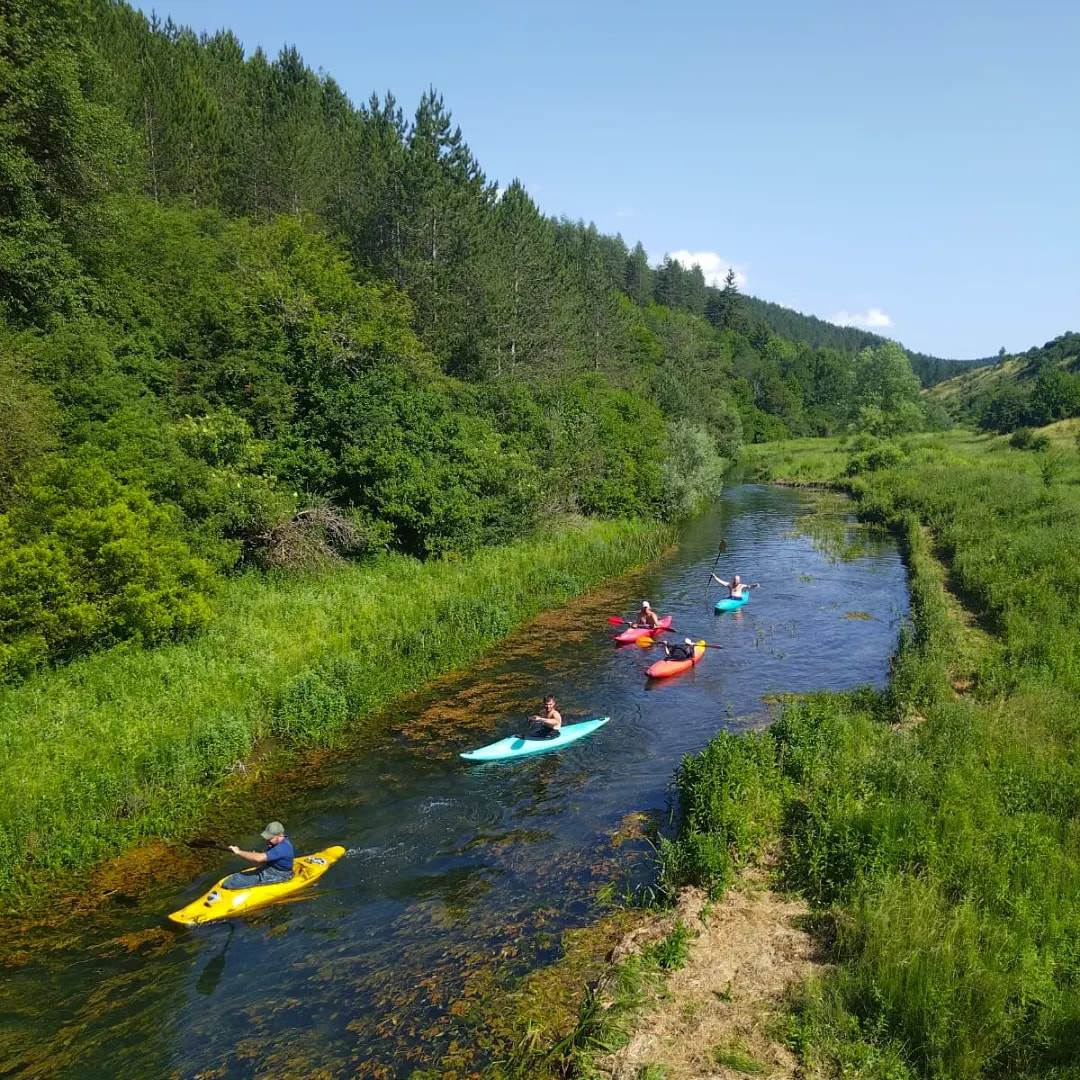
point(716, 562)
point(614, 620)
point(645, 642)
point(206, 842)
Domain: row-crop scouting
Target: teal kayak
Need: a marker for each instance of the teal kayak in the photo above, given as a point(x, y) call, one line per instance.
point(515, 746)
point(732, 603)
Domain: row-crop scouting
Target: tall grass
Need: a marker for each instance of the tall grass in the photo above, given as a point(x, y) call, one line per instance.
point(939, 834)
point(131, 743)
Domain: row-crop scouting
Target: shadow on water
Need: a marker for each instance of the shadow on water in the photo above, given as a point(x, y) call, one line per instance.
point(458, 875)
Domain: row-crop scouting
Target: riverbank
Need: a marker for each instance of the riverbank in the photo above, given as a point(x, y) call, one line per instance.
point(132, 744)
point(931, 828)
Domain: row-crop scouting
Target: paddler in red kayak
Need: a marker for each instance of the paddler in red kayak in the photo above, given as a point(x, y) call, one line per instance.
point(683, 650)
point(647, 618)
point(547, 724)
point(735, 586)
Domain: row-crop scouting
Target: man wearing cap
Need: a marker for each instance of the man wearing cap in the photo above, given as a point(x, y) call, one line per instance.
point(647, 617)
point(275, 863)
point(684, 650)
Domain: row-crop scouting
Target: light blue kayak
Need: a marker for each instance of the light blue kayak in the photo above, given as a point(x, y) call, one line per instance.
point(515, 746)
point(732, 603)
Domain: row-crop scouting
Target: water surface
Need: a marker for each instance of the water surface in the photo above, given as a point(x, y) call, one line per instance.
point(459, 871)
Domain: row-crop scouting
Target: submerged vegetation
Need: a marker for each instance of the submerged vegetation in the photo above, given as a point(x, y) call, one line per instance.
point(934, 825)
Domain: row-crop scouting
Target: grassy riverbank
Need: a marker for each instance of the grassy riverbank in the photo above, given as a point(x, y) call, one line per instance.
point(130, 744)
point(934, 827)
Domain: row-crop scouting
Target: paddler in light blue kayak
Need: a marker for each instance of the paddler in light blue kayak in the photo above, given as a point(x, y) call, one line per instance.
point(547, 724)
point(735, 586)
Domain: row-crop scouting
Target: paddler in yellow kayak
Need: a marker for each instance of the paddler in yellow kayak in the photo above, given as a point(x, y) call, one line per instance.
point(275, 863)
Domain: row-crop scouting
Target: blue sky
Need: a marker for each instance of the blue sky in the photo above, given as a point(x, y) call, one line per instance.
point(917, 169)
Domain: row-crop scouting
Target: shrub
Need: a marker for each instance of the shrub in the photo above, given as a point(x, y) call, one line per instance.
point(86, 561)
point(1023, 438)
point(884, 455)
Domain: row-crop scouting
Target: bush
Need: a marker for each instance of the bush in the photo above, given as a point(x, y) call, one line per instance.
point(731, 797)
point(85, 562)
point(884, 455)
point(1023, 438)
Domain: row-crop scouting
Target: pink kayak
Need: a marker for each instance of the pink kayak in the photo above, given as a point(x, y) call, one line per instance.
point(632, 633)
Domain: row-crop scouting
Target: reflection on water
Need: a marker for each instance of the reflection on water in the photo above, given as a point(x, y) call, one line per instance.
point(459, 875)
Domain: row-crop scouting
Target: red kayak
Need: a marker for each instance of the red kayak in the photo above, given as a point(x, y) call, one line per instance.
point(632, 633)
point(663, 668)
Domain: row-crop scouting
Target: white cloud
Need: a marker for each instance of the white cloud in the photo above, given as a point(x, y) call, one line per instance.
point(871, 319)
point(713, 266)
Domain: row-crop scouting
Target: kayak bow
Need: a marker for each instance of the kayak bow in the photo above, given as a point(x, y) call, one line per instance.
point(515, 746)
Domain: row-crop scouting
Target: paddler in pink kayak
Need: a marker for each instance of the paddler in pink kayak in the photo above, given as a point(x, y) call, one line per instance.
point(647, 618)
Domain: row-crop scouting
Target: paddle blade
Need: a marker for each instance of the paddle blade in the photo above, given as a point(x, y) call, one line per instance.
point(614, 620)
point(645, 642)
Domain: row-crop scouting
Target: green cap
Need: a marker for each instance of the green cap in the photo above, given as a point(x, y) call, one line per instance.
point(275, 828)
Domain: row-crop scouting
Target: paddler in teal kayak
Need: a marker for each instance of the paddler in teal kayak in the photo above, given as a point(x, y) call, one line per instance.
point(735, 586)
point(647, 618)
point(547, 724)
point(275, 863)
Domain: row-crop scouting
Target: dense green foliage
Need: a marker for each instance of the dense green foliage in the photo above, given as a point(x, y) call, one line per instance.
point(138, 739)
point(935, 831)
point(264, 326)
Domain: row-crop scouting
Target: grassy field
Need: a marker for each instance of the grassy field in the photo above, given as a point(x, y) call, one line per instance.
point(130, 744)
point(935, 827)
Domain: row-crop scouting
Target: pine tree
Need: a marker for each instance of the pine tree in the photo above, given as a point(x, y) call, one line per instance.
point(639, 284)
point(527, 289)
point(725, 309)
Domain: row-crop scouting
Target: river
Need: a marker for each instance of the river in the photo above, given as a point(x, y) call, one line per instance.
point(457, 873)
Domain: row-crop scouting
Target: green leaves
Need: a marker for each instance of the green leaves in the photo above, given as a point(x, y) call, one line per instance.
point(86, 561)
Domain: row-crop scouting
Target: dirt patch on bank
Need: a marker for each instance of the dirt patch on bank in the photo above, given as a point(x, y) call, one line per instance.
point(716, 1016)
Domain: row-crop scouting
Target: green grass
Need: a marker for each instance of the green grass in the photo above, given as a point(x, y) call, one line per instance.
point(937, 834)
point(131, 743)
point(652, 1071)
point(734, 1056)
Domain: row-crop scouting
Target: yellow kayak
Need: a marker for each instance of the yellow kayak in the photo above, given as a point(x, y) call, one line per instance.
point(220, 903)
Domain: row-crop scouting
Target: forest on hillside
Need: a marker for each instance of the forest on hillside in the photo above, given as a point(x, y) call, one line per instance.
point(246, 323)
point(1032, 389)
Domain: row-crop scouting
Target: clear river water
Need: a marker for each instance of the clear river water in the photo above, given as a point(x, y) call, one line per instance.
point(459, 873)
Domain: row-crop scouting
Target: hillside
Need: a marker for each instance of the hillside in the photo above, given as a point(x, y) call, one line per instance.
point(822, 334)
point(1030, 389)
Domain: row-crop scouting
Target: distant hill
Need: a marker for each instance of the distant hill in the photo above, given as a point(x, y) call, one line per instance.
point(1031, 388)
point(822, 334)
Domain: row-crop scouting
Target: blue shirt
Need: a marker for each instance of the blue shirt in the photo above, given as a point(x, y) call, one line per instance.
point(280, 856)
